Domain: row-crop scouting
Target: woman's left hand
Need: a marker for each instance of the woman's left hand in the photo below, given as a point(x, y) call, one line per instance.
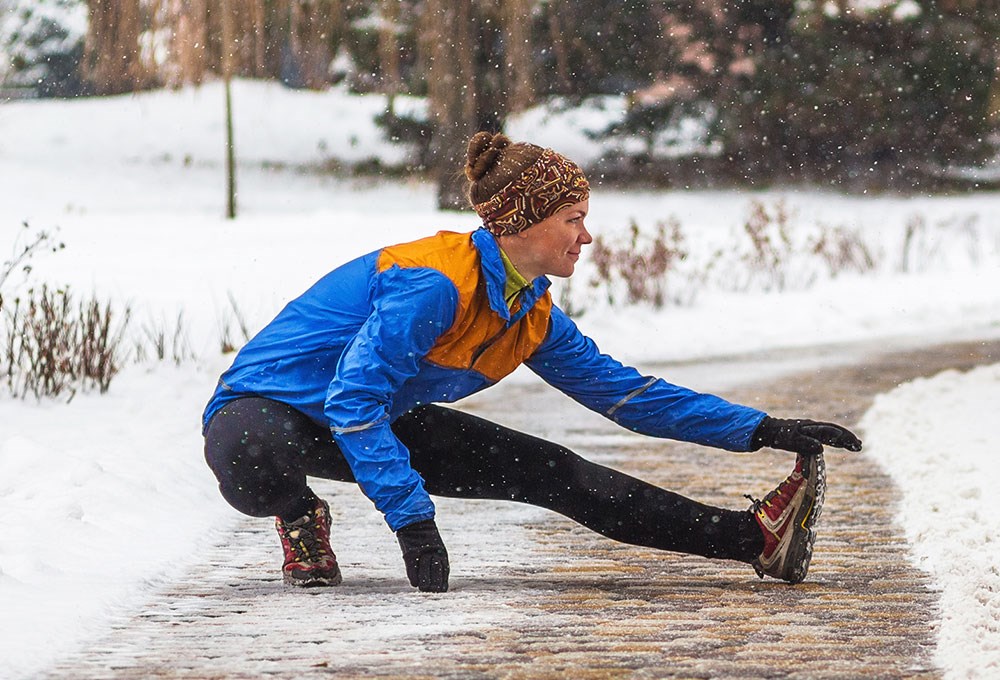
point(803, 436)
point(425, 556)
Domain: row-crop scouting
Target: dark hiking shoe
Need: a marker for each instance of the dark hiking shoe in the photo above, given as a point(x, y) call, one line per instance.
point(309, 560)
point(786, 516)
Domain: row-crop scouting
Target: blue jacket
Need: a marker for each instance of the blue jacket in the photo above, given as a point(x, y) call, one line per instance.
point(426, 322)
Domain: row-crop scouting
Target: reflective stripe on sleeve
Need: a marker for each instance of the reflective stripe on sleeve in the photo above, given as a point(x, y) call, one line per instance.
point(358, 428)
point(631, 395)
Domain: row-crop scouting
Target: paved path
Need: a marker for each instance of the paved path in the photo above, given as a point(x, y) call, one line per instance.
point(534, 596)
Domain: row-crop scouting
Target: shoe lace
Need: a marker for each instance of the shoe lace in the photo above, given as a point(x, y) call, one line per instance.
point(755, 506)
point(758, 503)
point(302, 538)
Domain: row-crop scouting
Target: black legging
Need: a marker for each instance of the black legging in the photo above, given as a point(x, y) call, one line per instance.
point(262, 450)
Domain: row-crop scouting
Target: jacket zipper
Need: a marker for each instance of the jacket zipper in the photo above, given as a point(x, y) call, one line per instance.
point(520, 314)
point(486, 345)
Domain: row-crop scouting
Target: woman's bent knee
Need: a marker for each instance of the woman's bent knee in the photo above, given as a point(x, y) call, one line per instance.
point(257, 473)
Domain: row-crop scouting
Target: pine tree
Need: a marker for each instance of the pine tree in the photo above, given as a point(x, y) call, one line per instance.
point(41, 44)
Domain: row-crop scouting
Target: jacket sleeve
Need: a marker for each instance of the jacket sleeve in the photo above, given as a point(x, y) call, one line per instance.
point(411, 308)
point(572, 363)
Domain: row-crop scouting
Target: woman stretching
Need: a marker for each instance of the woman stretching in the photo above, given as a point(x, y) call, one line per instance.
point(344, 384)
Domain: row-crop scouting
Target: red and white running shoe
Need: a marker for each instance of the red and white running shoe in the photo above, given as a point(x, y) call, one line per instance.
point(309, 560)
point(786, 516)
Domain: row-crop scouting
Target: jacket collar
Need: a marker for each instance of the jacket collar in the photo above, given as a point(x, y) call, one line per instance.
point(496, 277)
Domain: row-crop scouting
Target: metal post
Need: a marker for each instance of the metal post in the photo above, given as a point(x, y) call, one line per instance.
point(227, 73)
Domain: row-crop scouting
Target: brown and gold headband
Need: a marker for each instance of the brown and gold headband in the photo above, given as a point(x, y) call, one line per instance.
point(551, 183)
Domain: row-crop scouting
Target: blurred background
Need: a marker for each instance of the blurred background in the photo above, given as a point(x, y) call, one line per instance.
point(856, 95)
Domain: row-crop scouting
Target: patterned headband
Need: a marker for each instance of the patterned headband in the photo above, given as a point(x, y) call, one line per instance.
point(551, 183)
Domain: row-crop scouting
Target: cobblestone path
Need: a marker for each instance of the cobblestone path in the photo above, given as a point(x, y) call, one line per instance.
point(534, 596)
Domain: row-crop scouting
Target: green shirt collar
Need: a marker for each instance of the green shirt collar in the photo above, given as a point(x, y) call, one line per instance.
point(515, 283)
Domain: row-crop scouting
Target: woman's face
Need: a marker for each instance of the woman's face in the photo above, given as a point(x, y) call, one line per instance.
point(551, 247)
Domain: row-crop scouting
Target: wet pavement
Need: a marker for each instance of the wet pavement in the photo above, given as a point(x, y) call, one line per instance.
point(535, 596)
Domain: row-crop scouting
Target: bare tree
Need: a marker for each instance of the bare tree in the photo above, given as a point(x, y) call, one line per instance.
point(560, 45)
point(451, 88)
point(520, 75)
point(113, 61)
point(184, 22)
point(479, 68)
point(388, 44)
point(311, 24)
point(193, 31)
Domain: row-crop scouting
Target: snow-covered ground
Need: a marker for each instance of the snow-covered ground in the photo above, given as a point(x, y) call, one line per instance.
point(933, 437)
point(103, 497)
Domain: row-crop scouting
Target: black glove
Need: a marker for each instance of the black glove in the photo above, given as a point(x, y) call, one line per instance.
point(802, 436)
point(425, 556)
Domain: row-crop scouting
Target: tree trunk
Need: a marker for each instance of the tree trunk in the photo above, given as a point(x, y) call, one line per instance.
point(451, 90)
point(559, 47)
point(187, 62)
point(520, 70)
point(112, 56)
point(256, 36)
point(311, 27)
point(388, 45)
point(993, 111)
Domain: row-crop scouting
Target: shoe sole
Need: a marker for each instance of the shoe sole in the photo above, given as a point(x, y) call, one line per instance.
point(313, 581)
point(800, 552)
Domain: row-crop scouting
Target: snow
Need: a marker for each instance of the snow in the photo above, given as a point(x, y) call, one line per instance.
point(106, 496)
point(933, 438)
point(99, 499)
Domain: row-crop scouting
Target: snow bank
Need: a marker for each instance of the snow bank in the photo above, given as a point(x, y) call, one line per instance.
point(101, 498)
point(936, 438)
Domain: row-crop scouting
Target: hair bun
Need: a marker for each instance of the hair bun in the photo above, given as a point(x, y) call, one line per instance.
point(484, 152)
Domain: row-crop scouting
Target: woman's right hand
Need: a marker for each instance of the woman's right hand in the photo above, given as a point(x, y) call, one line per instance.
point(803, 436)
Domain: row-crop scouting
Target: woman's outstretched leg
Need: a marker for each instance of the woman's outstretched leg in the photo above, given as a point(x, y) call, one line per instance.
point(463, 456)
